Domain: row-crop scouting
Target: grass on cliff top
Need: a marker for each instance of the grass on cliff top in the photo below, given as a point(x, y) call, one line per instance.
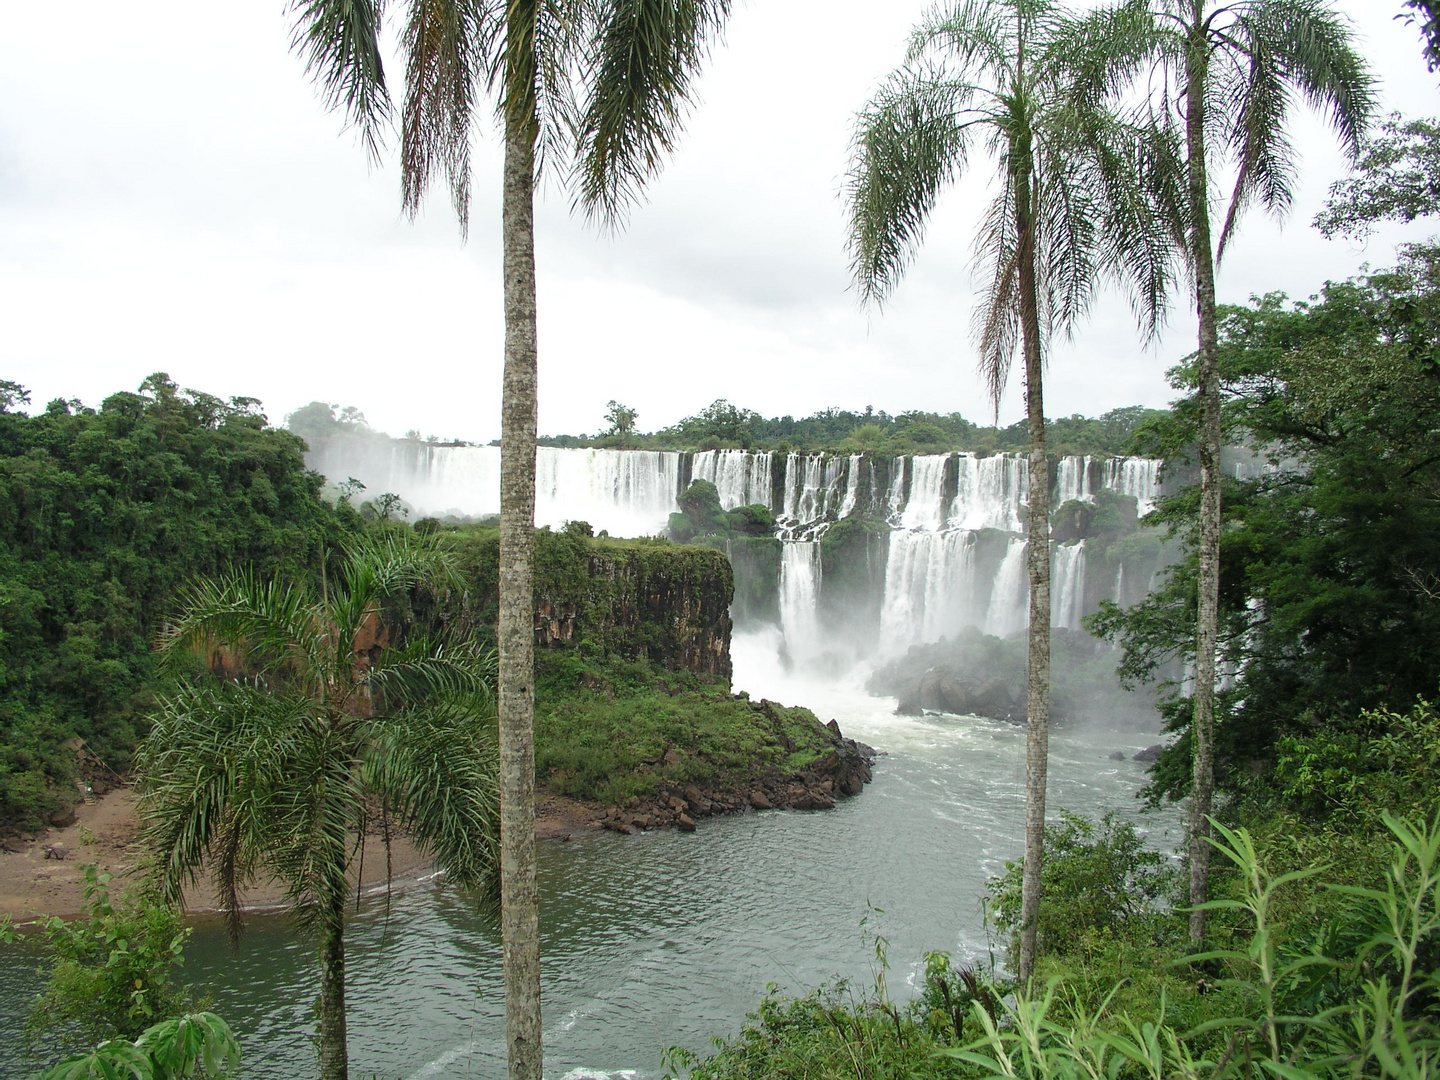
point(602, 728)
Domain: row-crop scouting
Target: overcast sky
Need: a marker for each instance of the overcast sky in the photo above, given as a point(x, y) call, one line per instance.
point(174, 198)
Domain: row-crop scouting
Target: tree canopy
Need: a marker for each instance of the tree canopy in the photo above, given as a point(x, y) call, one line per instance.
point(103, 514)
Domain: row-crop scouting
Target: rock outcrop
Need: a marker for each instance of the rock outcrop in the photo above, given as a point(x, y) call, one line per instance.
point(841, 772)
point(638, 599)
point(666, 603)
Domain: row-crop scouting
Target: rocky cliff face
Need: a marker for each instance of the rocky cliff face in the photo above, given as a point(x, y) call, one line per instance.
point(664, 603)
point(636, 599)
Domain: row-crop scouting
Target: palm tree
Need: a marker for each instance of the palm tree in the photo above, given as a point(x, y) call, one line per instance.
point(1220, 81)
point(597, 89)
point(991, 75)
point(310, 716)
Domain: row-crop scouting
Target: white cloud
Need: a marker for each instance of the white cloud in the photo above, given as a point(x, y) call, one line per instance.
point(173, 197)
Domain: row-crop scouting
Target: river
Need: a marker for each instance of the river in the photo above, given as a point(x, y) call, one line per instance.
point(664, 938)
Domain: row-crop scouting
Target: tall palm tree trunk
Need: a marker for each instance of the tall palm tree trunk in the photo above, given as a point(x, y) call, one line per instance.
point(334, 1058)
point(1207, 619)
point(519, 897)
point(1037, 534)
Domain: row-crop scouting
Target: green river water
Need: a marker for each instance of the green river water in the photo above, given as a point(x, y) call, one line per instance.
point(665, 938)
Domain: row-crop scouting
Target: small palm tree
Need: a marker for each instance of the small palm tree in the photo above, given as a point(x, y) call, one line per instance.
point(596, 90)
point(1220, 81)
point(992, 76)
point(311, 721)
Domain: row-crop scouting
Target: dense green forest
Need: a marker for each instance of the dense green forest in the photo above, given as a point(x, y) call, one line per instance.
point(109, 512)
point(1330, 562)
point(106, 511)
point(721, 425)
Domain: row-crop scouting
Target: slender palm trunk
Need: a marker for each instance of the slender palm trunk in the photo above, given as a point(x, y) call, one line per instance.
point(1037, 535)
point(519, 897)
point(334, 1058)
point(1207, 619)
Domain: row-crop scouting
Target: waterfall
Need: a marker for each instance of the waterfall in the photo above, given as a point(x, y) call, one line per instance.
point(990, 492)
point(1006, 614)
point(895, 497)
point(1072, 480)
point(742, 477)
point(805, 488)
point(852, 487)
point(799, 591)
point(1137, 477)
point(1067, 590)
point(931, 587)
point(923, 508)
point(947, 563)
point(628, 493)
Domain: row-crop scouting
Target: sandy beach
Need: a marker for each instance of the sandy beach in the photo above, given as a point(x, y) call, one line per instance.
point(33, 885)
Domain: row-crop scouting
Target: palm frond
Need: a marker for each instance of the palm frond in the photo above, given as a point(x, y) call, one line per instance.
point(1265, 158)
point(340, 43)
point(266, 625)
point(517, 74)
point(638, 88)
point(997, 319)
point(972, 36)
point(1314, 44)
point(208, 775)
point(910, 141)
point(379, 567)
point(438, 768)
point(321, 808)
point(1135, 168)
point(446, 65)
point(423, 670)
point(1068, 218)
point(1099, 56)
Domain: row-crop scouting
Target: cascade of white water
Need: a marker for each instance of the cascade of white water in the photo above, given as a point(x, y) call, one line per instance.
point(852, 487)
point(742, 477)
point(804, 487)
point(626, 492)
point(895, 496)
point(1067, 590)
point(944, 568)
point(461, 480)
point(1006, 614)
point(989, 492)
point(799, 592)
point(1072, 480)
point(923, 509)
point(817, 488)
point(930, 587)
point(1137, 477)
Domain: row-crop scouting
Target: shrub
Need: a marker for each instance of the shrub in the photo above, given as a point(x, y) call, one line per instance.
point(112, 973)
point(1098, 881)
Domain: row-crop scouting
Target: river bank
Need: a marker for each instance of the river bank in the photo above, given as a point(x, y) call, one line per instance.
point(35, 883)
point(43, 874)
